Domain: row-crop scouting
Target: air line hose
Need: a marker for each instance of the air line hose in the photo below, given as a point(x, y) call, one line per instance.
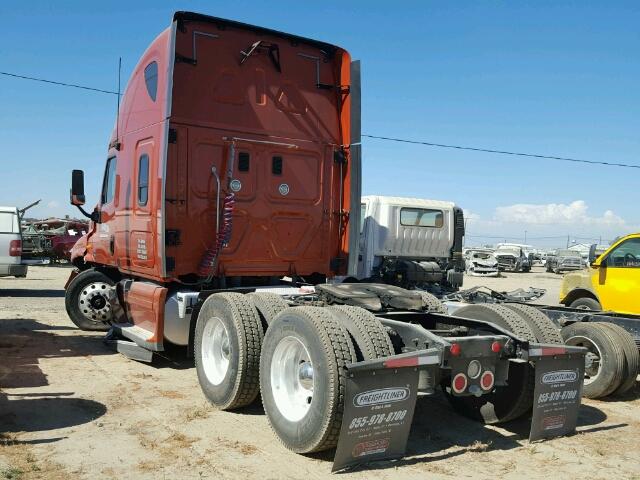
point(205, 269)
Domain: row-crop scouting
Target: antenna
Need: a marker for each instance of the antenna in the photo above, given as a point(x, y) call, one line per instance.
point(118, 112)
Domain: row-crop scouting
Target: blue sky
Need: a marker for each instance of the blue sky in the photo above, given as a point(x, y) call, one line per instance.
point(549, 77)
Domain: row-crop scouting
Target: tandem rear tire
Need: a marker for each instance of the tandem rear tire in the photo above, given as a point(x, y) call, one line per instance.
point(87, 301)
point(369, 336)
point(542, 326)
point(268, 305)
point(605, 360)
point(303, 377)
point(431, 303)
point(227, 344)
point(507, 402)
point(632, 357)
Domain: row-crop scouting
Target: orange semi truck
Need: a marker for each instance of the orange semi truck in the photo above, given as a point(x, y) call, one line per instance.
point(234, 165)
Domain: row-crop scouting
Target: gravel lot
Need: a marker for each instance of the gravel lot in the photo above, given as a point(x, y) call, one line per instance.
point(71, 408)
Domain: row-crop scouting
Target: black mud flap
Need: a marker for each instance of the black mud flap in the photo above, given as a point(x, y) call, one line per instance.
point(558, 391)
point(379, 407)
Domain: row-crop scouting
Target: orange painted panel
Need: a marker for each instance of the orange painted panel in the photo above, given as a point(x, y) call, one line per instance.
point(144, 303)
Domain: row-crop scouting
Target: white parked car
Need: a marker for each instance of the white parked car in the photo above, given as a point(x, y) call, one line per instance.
point(481, 262)
point(11, 244)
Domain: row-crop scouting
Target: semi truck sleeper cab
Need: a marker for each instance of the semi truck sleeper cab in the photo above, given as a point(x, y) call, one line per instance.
point(235, 162)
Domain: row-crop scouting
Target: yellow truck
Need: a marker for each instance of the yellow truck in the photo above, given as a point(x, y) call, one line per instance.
point(600, 311)
point(611, 284)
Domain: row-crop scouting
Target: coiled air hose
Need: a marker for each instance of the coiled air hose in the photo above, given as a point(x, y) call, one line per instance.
point(205, 269)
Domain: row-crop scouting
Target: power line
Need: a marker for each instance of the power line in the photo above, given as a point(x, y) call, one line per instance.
point(376, 137)
point(528, 237)
point(555, 237)
point(501, 152)
point(57, 83)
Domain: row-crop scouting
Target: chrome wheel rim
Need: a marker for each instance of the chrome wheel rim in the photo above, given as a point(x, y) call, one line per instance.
point(292, 379)
point(216, 350)
point(592, 360)
point(93, 302)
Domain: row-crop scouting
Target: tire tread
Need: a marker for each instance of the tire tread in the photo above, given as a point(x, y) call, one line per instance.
point(543, 327)
point(268, 305)
point(431, 303)
point(632, 358)
point(371, 336)
point(250, 335)
point(510, 320)
point(339, 350)
point(615, 359)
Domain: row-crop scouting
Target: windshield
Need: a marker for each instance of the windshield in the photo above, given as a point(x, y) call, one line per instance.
point(568, 253)
point(509, 251)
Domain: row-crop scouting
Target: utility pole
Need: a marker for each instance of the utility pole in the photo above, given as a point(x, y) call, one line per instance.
point(525, 237)
point(568, 240)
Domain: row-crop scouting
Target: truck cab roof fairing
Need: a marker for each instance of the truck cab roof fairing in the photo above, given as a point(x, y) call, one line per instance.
point(223, 23)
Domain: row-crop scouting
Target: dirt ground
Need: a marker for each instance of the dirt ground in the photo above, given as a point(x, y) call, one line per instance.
point(72, 408)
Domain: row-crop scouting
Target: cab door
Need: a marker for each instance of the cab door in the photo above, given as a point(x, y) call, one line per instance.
point(617, 281)
point(141, 247)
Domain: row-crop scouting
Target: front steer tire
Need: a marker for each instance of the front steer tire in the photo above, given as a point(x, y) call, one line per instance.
point(87, 321)
point(510, 401)
point(228, 339)
point(329, 347)
point(586, 303)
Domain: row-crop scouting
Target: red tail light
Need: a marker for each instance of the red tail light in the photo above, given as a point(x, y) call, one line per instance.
point(459, 383)
point(496, 347)
point(455, 349)
point(486, 381)
point(15, 248)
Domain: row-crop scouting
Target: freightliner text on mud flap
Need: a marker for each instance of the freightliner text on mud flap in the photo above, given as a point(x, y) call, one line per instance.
point(381, 396)
point(380, 400)
point(558, 391)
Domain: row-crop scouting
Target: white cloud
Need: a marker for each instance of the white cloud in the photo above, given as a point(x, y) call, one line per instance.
point(469, 215)
point(53, 204)
point(547, 224)
point(576, 213)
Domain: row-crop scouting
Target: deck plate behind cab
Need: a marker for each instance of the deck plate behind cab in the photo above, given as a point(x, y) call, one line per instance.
point(371, 296)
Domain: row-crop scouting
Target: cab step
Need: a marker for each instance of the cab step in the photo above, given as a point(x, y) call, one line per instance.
point(127, 348)
point(139, 335)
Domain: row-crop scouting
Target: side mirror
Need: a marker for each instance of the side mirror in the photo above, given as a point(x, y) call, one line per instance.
point(77, 195)
point(77, 188)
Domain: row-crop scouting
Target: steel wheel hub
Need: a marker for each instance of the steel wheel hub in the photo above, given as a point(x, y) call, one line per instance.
point(591, 359)
point(216, 350)
point(94, 303)
point(292, 378)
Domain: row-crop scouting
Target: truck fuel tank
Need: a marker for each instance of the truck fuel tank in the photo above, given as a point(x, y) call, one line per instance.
point(177, 316)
